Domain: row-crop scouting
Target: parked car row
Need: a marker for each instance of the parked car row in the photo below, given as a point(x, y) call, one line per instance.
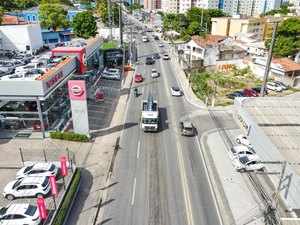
point(277, 86)
point(244, 157)
point(31, 181)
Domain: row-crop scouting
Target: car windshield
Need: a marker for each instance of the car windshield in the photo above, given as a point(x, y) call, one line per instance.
point(154, 71)
point(188, 128)
point(28, 168)
point(45, 183)
point(244, 160)
point(17, 184)
point(233, 150)
point(149, 121)
point(31, 210)
point(3, 210)
point(176, 89)
point(52, 167)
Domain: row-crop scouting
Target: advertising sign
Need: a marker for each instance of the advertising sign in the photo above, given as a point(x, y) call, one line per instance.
point(63, 164)
point(53, 186)
point(42, 208)
point(77, 89)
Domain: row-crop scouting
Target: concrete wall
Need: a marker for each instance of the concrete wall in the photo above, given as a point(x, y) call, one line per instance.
point(220, 26)
point(211, 55)
point(268, 152)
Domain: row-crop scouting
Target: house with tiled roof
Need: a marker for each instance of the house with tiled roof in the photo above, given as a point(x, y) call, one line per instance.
point(212, 48)
point(10, 20)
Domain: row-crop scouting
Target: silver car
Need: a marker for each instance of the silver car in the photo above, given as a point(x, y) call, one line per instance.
point(112, 74)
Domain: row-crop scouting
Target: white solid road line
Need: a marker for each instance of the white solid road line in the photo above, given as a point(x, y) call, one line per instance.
point(209, 181)
point(133, 192)
point(138, 150)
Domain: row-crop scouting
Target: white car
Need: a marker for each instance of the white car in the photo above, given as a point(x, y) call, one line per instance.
point(166, 56)
point(16, 214)
point(242, 139)
point(29, 66)
point(154, 73)
point(161, 44)
point(175, 91)
point(112, 74)
point(38, 169)
point(240, 151)
point(273, 86)
point(27, 187)
point(247, 163)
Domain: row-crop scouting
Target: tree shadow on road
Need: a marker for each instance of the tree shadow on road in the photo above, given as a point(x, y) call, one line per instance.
point(111, 130)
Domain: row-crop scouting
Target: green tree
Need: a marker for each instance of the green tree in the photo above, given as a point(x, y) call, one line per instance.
point(287, 38)
point(1, 14)
point(24, 4)
point(194, 28)
point(7, 4)
point(85, 25)
point(65, 2)
point(104, 14)
point(53, 16)
point(283, 10)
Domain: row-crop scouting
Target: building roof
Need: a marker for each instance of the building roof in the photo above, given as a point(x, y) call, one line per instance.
point(287, 64)
point(8, 20)
point(66, 7)
point(234, 48)
point(209, 40)
point(256, 45)
point(244, 35)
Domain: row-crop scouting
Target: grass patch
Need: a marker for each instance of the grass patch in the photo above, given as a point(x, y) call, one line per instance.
point(67, 201)
point(69, 136)
point(109, 45)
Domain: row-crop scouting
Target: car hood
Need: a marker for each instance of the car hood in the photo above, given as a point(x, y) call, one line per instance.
point(9, 186)
point(20, 173)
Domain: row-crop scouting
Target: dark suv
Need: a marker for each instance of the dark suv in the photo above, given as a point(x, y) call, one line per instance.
point(149, 60)
point(187, 128)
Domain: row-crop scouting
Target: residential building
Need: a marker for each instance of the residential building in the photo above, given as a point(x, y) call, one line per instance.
point(296, 6)
point(152, 4)
point(211, 49)
point(32, 14)
point(262, 27)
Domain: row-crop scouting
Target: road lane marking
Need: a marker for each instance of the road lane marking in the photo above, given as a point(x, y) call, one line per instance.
point(138, 150)
point(133, 192)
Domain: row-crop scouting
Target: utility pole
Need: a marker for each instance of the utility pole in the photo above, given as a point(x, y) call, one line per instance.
point(262, 90)
point(276, 194)
point(110, 10)
point(120, 25)
point(201, 17)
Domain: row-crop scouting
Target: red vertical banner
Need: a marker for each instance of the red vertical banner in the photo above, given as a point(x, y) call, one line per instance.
point(63, 164)
point(53, 186)
point(42, 208)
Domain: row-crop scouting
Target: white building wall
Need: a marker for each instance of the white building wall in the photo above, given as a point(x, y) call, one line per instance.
point(272, 4)
point(17, 37)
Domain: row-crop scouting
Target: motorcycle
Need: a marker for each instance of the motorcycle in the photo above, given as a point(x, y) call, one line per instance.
point(136, 92)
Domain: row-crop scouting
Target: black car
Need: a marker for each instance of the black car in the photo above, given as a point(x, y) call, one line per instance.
point(149, 60)
point(243, 94)
point(233, 95)
point(156, 56)
point(156, 38)
point(257, 89)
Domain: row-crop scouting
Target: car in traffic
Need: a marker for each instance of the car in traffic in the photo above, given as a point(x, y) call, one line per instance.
point(138, 78)
point(37, 169)
point(247, 163)
point(166, 56)
point(176, 91)
point(274, 87)
point(156, 37)
point(250, 92)
point(281, 84)
point(160, 44)
point(19, 214)
point(154, 73)
point(149, 60)
point(187, 128)
point(233, 95)
point(27, 187)
point(156, 56)
point(111, 74)
point(242, 139)
point(240, 151)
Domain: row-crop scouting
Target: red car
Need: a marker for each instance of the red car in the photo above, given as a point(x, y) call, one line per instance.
point(250, 92)
point(138, 78)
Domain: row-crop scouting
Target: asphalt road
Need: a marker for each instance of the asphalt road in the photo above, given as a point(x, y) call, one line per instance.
point(160, 178)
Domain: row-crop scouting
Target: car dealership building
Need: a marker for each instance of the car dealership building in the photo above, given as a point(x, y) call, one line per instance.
point(32, 107)
point(272, 125)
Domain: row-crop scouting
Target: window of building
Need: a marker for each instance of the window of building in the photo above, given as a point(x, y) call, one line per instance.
point(33, 18)
point(28, 18)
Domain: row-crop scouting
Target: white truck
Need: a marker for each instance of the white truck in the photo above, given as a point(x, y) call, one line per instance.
point(145, 38)
point(149, 117)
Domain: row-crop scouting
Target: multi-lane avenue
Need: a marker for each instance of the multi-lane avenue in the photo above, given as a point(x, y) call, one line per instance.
point(159, 178)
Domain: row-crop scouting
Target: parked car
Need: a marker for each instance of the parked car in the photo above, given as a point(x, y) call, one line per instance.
point(156, 56)
point(274, 87)
point(247, 163)
point(138, 78)
point(19, 214)
point(27, 187)
point(29, 66)
point(175, 91)
point(257, 89)
point(149, 60)
point(3, 73)
point(38, 127)
point(160, 44)
point(156, 37)
point(284, 86)
point(187, 128)
point(24, 57)
point(242, 139)
point(233, 95)
point(38, 169)
point(6, 70)
point(112, 74)
point(154, 73)
point(250, 92)
point(240, 151)
point(166, 56)
point(11, 65)
point(13, 124)
point(243, 94)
